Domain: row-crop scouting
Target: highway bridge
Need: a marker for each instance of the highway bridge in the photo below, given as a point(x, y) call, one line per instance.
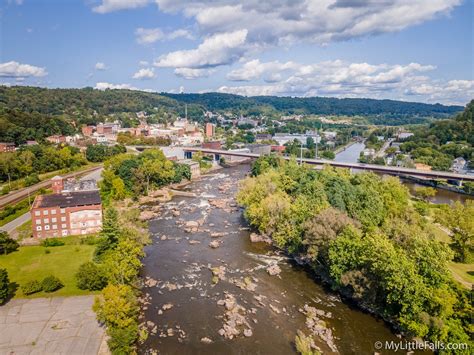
point(390, 170)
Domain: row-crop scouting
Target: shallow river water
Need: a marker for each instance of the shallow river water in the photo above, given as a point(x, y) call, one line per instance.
point(182, 270)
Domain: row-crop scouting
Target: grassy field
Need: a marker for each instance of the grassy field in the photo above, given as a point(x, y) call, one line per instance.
point(34, 263)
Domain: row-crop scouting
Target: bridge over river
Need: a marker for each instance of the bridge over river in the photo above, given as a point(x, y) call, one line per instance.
point(390, 170)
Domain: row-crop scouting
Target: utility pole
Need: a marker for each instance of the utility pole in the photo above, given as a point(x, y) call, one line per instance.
point(301, 153)
point(316, 141)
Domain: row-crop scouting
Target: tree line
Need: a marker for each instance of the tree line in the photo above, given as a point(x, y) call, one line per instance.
point(362, 235)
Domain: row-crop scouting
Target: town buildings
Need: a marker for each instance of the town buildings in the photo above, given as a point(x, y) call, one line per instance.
point(72, 209)
point(56, 139)
point(7, 147)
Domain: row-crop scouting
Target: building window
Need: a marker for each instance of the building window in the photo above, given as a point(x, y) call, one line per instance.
point(63, 226)
point(46, 227)
point(46, 220)
point(53, 211)
point(37, 213)
point(63, 218)
point(38, 228)
point(54, 220)
point(63, 210)
point(38, 221)
point(45, 212)
point(64, 233)
point(55, 226)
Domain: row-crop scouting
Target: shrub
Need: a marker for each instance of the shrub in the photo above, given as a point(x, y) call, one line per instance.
point(47, 251)
point(4, 282)
point(31, 287)
point(91, 277)
point(90, 240)
point(32, 179)
point(5, 190)
point(51, 284)
point(52, 242)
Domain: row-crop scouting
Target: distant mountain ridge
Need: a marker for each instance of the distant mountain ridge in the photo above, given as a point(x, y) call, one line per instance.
point(318, 105)
point(61, 101)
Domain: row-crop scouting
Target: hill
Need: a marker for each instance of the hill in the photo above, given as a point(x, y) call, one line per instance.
point(34, 113)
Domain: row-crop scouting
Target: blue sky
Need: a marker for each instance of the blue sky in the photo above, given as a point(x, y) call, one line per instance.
point(417, 50)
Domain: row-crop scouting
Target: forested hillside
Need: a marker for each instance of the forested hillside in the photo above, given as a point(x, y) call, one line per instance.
point(34, 113)
point(444, 141)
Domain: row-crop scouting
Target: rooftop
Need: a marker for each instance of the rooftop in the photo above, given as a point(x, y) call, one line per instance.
point(70, 199)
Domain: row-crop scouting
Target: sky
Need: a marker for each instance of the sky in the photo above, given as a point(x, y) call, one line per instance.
point(411, 50)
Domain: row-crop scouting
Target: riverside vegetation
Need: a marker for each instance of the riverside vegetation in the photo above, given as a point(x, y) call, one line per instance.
point(363, 235)
point(117, 258)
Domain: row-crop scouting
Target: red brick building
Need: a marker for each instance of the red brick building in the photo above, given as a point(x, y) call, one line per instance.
point(56, 139)
point(7, 147)
point(210, 129)
point(66, 213)
point(212, 145)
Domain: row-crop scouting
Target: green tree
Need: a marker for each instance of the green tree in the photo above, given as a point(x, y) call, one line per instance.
point(123, 263)
point(91, 276)
point(425, 193)
point(4, 285)
point(7, 244)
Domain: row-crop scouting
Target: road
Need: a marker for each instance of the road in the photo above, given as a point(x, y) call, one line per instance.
point(11, 226)
point(19, 195)
point(382, 150)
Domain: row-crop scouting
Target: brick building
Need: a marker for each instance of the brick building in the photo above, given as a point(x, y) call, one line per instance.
point(76, 210)
point(7, 147)
point(210, 129)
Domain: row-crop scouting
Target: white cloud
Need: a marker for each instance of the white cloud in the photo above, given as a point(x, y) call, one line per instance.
point(143, 63)
point(148, 35)
point(100, 66)
point(342, 79)
point(219, 49)
point(144, 74)
point(152, 35)
point(104, 86)
point(190, 73)
point(115, 5)
point(14, 70)
point(320, 21)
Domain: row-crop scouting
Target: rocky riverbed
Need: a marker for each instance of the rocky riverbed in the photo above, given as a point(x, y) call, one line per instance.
point(211, 286)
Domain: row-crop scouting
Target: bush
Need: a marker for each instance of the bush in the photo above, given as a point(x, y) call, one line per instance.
point(31, 287)
point(32, 179)
point(5, 190)
point(4, 282)
point(47, 251)
point(91, 277)
point(51, 284)
point(52, 242)
point(90, 240)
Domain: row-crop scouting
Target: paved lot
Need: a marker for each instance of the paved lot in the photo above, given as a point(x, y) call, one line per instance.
point(62, 325)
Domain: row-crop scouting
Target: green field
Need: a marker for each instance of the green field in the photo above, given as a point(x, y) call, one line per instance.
point(33, 263)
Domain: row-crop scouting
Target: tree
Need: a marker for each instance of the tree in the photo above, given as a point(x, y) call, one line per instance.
point(7, 244)
point(328, 154)
point(4, 285)
point(425, 193)
point(90, 276)
point(117, 306)
point(123, 263)
point(109, 234)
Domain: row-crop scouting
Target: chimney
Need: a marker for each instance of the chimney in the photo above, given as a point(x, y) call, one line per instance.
point(57, 184)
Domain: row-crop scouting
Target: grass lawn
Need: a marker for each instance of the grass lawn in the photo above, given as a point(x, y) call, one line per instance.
point(33, 263)
point(464, 271)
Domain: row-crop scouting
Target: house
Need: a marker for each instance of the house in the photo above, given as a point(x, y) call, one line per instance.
point(87, 130)
point(330, 135)
point(56, 139)
point(278, 148)
point(458, 164)
point(68, 211)
point(368, 152)
point(32, 142)
point(210, 129)
point(263, 137)
point(107, 128)
point(421, 166)
point(7, 147)
point(193, 166)
point(404, 135)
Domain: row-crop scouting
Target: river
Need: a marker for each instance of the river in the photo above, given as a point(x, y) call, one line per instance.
point(177, 267)
point(352, 153)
